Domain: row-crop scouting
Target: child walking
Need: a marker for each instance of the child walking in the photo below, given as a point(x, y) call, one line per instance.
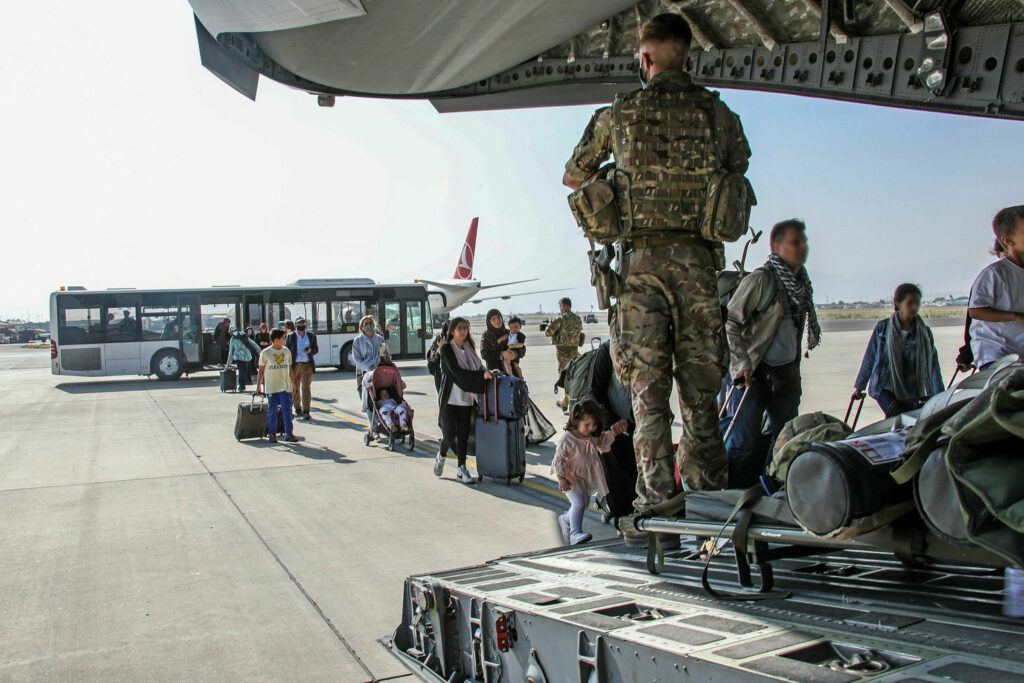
point(578, 467)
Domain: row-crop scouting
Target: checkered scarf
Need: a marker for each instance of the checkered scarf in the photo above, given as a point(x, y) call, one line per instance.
point(801, 297)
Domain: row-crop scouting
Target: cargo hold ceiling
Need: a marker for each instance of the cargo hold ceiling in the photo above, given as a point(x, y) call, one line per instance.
point(960, 56)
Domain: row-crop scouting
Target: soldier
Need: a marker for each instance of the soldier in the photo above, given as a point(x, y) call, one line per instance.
point(669, 138)
point(566, 330)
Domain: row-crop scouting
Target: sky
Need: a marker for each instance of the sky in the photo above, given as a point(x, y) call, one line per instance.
point(127, 164)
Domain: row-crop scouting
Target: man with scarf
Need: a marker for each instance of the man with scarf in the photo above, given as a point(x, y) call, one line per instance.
point(765, 349)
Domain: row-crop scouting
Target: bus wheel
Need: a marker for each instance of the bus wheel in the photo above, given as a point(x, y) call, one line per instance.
point(166, 365)
point(345, 361)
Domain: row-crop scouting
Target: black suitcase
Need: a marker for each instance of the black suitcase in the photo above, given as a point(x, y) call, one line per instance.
point(251, 420)
point(228, 379)
point(501, 449)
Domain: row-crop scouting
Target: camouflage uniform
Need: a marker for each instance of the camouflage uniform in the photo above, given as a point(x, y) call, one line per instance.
point(566, 329)
point(669, 138)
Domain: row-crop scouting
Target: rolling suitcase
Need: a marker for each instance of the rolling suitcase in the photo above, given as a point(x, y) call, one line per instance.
point(500, 444)
point(229, 379)
point(506, 397)
point(251, 420)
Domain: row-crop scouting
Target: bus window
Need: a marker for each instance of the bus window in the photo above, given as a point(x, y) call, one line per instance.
point(121, 316)
point(160, 323)
point(214, 313)
point(315, 313)
point(345, 316)
point(78, 324)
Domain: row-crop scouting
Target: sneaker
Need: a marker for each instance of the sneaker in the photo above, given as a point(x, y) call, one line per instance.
point(635, 539)
point(563, 523)
point(290, 438)
point(463, 475)
point(439, 465)
point(577, 537)
point(272, 438)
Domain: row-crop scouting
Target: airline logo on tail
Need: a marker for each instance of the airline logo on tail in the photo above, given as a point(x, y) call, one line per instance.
point(464, 271)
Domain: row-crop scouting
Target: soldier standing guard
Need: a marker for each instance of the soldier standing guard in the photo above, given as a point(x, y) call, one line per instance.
point(669, 139)
point(566, 329)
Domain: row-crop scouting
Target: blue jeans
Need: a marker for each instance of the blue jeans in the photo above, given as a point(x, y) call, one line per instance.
point(775, 391)
point(890, 405)
point(281, 400)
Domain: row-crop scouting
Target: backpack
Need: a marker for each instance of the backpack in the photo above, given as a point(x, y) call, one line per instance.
point(729, 282)
point(578, 381)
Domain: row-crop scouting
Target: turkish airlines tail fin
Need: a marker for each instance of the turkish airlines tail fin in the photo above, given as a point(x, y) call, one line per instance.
point(464, 269)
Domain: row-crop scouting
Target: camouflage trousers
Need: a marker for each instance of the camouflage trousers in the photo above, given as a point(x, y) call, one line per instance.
point(670, 330)
point(564, 355)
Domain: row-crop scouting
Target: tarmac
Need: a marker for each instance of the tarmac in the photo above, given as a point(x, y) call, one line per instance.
point(140, 541)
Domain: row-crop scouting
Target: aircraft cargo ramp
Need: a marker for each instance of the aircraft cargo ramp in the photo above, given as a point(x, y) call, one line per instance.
point(595, 613)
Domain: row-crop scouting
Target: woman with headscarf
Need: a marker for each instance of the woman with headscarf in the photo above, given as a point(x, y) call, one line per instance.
point(494, 342)
point(900, 362)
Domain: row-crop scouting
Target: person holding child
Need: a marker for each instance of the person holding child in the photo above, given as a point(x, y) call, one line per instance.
point(578, 467)
point(494, 344)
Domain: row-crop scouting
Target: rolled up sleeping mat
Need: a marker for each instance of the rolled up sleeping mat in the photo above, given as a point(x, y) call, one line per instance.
point(938, 501)
point(843, 488)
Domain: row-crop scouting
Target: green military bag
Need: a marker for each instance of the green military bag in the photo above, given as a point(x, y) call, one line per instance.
point(727, 213)
point(596, 208)
point(730, 195)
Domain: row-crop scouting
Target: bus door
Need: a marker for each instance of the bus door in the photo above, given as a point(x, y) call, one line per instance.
point(252, 312)
point(191, 329)
point(415, 328)
point(392, 324)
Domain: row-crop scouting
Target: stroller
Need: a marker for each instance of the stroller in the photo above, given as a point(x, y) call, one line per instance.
point(386, 376)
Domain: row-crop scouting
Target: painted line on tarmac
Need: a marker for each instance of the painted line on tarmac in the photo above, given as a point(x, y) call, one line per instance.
point(430, 449)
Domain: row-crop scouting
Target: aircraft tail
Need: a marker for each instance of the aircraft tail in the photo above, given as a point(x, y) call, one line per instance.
point(464, 269)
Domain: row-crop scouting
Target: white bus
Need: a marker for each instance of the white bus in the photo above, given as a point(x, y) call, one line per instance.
point(169, 332)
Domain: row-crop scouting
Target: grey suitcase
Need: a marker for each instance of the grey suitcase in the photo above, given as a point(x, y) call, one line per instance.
point(229, 379)
point(251, 420)
point(501, 449)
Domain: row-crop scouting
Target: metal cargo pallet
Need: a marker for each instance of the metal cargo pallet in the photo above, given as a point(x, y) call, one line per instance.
point(595, 613)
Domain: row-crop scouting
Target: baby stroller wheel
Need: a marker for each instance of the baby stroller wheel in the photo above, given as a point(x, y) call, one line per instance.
point(412, 441)
point(367, 438)
point(521, 477)
point(391, 441)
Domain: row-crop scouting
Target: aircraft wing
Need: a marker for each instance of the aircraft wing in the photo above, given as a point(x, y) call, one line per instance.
point(465, 55)
point(509, 296)
point(509, 284)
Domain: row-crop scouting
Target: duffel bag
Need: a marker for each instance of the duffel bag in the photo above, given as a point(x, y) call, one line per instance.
point(844, 488)
point(937, 500)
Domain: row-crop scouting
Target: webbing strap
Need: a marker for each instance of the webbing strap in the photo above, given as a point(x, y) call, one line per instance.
point(742, 566)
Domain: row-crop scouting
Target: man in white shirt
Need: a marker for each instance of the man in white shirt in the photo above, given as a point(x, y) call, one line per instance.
point(276, 377)
point(997, 296)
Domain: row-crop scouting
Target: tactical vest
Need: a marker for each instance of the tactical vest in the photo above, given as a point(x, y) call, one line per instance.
point(664, 141)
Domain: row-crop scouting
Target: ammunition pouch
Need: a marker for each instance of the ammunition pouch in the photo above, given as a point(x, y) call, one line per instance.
point(595, 206)
point(727, 212)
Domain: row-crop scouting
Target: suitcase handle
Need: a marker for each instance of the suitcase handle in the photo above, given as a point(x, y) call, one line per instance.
point(494, 383)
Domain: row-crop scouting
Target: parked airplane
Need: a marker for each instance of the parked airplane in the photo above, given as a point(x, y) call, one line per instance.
point(447, 295)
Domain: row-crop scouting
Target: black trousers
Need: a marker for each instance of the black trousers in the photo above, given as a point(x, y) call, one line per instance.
point(456, 424)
